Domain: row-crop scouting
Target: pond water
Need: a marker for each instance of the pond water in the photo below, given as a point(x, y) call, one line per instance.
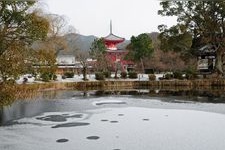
point(114, 120)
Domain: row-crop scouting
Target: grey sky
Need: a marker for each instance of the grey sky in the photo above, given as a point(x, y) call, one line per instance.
point(129, 17)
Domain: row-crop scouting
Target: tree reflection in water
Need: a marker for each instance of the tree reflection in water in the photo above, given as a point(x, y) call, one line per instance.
point(20, 101)
point(211, 95)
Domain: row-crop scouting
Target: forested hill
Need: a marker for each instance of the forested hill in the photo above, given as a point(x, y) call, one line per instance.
point(78, 42)
point(83, 42)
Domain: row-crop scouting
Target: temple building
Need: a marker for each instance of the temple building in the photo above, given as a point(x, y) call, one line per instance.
point(115, 55)
point(206, 59)
point(68, 63)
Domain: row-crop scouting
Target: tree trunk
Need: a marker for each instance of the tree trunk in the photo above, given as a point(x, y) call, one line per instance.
point(219, 62)
point(117, 65)
point(85, 73)
point(116, 71)
point(142, 65)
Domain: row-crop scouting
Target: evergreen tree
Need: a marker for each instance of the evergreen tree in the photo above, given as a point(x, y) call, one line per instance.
point(98, 51)
point(199, 23)
point(140, 47)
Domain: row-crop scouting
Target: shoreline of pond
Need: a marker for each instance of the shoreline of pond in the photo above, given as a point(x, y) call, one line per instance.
point(115, 84)
point(211, 88)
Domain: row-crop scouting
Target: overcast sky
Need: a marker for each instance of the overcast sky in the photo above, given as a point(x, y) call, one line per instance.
point(129, 17)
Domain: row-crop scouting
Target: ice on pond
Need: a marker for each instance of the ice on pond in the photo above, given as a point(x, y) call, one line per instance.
point(168, 129)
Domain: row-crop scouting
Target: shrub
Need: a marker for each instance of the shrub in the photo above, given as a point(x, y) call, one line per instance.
point(161, 78)
point(132, 75)
point(168, 76)
point(152, 77)
point(69, 74)
point(191, 73)
point(46, 76)
point(107, 74)
point(9, 82)
point(177, 75)
point(123, 75)
point(99, 76)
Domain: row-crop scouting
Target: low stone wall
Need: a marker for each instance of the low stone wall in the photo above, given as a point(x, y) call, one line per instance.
point(215, 83)
point(147, 84)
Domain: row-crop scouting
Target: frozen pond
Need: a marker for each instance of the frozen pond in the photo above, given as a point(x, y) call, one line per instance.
point(70, 121)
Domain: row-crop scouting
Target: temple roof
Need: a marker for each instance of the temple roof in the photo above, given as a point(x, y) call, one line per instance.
point(112, 37)
point(207, 50)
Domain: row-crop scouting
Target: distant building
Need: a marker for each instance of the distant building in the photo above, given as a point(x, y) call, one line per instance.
point(117, 56)
point(68, 63)
point(65, 59)
point(206, 59)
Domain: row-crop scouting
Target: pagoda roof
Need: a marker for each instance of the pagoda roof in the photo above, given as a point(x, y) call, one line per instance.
point(112, 37)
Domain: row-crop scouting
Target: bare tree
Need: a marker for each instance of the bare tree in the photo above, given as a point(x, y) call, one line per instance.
point(57, 30)
point(54, 43)
point(166, 61)
point(82, 57)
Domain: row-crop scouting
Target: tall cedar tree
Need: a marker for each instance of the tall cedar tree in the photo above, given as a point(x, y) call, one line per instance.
point(199, 23)
point(98, 52)
point(140, 47)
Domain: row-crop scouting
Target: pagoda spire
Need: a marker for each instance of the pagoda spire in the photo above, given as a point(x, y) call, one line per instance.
point(112, 40)
point(110, 26)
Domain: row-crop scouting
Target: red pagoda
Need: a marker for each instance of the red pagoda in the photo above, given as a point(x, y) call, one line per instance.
point(115, 55)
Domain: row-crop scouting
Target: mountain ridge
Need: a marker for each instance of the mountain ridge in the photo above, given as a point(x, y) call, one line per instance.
point(83, 42)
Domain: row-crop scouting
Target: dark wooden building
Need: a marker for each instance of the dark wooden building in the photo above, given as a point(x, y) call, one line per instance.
point(206, 59)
